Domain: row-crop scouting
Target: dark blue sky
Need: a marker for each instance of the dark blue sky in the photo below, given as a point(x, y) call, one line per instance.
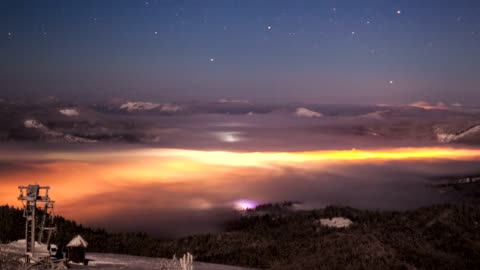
point(312, 51)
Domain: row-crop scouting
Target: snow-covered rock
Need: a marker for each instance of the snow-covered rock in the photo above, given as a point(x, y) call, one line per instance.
point(304, 112)
point(336, 222)
point(69, 112)
point(31, 123)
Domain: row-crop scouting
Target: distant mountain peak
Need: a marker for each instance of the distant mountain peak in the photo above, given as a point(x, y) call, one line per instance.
point(304, 112)
point(135, 106)
point(234, 101)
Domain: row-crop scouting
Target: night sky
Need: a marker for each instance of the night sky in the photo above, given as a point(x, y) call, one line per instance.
point(308, 51)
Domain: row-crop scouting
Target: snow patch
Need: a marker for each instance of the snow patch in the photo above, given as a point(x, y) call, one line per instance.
point(336, 222)
point(69, 112)
point(304, 112)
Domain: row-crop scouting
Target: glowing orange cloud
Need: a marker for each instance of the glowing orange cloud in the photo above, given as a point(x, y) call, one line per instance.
point(78, 176)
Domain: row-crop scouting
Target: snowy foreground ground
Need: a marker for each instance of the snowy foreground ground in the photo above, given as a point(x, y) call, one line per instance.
point(121, 262)
point(116, 261)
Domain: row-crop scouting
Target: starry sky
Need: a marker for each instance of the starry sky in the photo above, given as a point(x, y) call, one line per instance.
point(377, 51)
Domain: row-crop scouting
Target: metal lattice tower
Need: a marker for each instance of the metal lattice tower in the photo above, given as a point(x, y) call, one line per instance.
point(31, 201)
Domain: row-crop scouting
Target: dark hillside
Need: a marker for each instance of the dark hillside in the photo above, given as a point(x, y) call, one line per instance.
point(436, 237)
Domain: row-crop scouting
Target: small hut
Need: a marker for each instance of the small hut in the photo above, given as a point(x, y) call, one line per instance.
point(76, 249)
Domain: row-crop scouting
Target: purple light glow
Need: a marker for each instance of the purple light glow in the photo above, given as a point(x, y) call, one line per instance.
point(242, 205)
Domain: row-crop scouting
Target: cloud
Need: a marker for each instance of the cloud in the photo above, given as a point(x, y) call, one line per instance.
point(11, 167)
point(197, 206)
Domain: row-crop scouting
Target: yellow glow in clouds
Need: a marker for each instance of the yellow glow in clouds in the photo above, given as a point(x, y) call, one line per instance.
point(175, 157)
point(266, 159)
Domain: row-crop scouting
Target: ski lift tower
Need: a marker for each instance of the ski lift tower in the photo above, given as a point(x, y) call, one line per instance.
point(34, 197)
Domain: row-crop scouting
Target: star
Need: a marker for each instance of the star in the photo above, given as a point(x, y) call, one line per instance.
point(269, 27)
point(391, 82)
point(353, 33)
point(156, 33)
point(212, 59)
point(334, 9)
point(399, 12)
point(9, 34)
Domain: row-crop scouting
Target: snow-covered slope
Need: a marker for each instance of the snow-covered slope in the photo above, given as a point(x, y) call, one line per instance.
point(136, 106)
point(53, 135)
point(445, 137)
point(102, 261)
point(139, 106)
point(304, 112)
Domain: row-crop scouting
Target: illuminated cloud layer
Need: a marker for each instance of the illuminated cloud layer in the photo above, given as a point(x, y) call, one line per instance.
point(176, 182)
